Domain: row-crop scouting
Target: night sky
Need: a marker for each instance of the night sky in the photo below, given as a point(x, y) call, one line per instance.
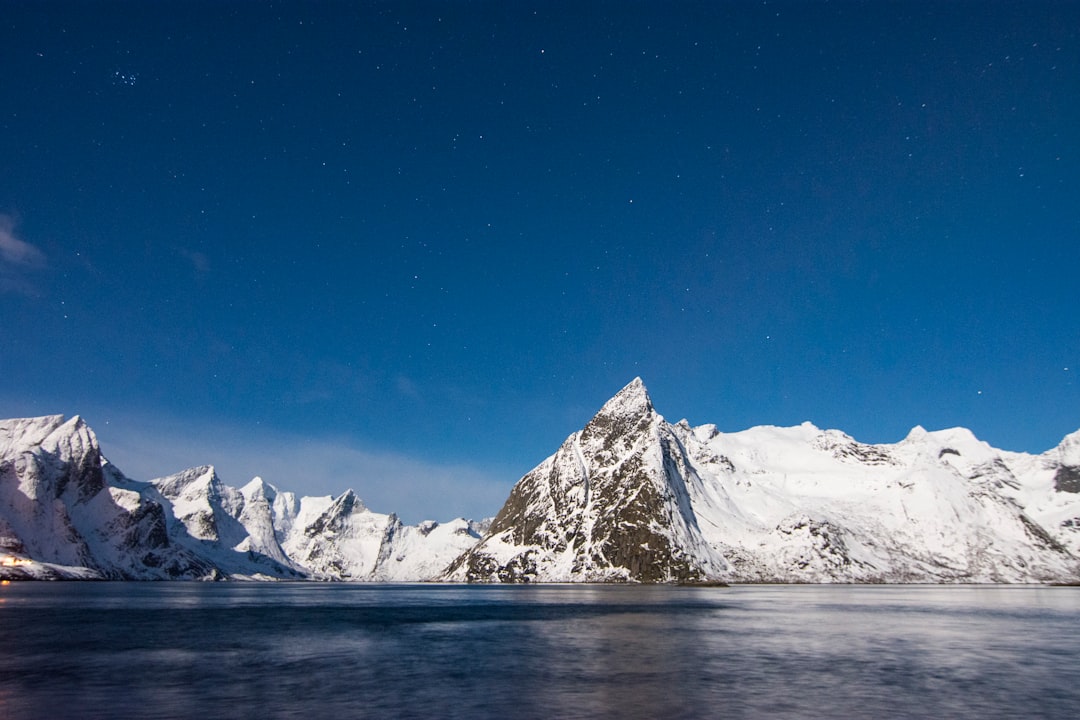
point(409, 247)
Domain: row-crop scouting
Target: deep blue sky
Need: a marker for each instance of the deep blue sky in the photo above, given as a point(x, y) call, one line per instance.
point(409, 247)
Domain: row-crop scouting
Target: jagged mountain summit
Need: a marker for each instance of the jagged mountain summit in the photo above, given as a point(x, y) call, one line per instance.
point(632, 497)
point(65, 512)
point(612, 504)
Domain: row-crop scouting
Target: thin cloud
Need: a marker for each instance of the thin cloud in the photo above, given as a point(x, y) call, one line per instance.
point(15, 252)
point(18, 260)
point(198, 260)
point(407, 387)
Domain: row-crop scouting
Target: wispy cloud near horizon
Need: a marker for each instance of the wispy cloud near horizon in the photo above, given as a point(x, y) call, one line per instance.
point(18, 260)
point(386, 480)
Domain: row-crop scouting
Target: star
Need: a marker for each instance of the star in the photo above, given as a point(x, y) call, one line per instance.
point(120, 77)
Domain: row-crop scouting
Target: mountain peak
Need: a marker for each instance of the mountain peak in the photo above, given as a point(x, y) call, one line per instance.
point(609, 505)
point(622, 418)
point(346, 503)
point(258, 487)
point(635, 387)
point(1068, 450)
point(916, 434)
point(631, 400)
point(27, 432)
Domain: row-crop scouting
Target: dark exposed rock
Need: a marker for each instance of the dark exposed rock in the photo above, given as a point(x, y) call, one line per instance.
point(1067, 479)
point(1040, 534)
point(610, 503)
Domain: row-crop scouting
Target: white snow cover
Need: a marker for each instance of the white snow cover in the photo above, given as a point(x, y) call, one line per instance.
point(796, 504)
point(261, 532)
point(343, 540)
point(65, 512)
point(809, 505)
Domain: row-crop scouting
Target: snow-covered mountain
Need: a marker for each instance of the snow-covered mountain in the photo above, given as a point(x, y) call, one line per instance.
point(630, 497)
point(633, 497)
point(341, 539)
point(65, 512)
point(614, 503)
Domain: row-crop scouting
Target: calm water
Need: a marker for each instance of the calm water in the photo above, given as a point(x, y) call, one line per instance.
point(190, 650)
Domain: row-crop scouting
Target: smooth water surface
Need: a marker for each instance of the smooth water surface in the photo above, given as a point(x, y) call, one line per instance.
point(235, 650)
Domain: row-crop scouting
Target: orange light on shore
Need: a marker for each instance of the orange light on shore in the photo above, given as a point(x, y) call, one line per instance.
point(12, 561)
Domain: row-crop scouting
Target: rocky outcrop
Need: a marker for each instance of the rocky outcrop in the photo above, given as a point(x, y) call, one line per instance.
point(611, 505)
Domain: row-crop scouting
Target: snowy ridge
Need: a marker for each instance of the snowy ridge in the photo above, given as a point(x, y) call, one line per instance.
point(817, 506)
point(341, 539)
point(632, 497)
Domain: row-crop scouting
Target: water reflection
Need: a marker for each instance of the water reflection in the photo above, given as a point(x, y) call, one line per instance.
point(185, 650)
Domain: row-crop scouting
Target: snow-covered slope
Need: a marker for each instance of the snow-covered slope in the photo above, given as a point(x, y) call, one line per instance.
point(341, 539)
point(632, 497)
point(234, 529)
point(66, 513)
point(807, 505)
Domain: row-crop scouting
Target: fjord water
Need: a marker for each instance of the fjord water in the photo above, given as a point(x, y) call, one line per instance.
point(237, 650)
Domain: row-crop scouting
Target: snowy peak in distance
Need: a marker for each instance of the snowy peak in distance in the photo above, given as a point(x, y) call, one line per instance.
point(66, 512)
point(30, 432)
point(1065, 460)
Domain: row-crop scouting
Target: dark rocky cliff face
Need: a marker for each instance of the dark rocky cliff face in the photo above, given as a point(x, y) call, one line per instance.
point(606, 506)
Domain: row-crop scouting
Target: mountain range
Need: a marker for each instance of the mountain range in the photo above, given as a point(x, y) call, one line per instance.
point(628, 498)
point(67, 513)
